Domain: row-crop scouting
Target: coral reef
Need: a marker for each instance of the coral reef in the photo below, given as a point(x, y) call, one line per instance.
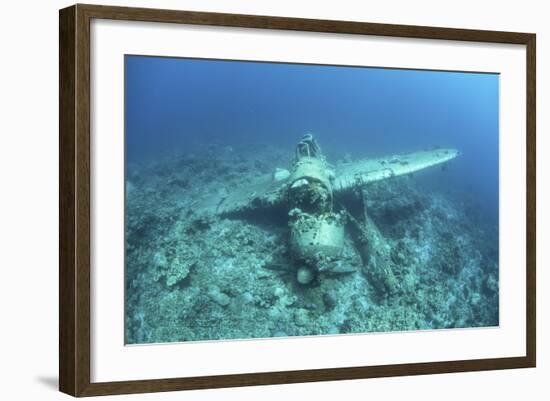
point(192, 276)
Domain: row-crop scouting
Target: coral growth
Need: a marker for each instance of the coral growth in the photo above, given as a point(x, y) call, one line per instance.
point(192, 276)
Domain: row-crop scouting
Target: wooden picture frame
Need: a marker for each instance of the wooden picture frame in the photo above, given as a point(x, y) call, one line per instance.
point(75, 207)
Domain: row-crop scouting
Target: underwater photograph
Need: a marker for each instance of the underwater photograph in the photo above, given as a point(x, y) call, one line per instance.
point(271, 199)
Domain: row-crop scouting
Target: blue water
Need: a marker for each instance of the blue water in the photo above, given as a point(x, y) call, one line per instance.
point(192, 276)
point(172, 103)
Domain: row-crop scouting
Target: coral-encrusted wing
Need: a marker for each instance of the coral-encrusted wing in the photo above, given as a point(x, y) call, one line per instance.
point(265, 192)
point(369, 170)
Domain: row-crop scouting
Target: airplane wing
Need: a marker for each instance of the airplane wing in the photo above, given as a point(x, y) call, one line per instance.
point(369, 170)
point(264, 192)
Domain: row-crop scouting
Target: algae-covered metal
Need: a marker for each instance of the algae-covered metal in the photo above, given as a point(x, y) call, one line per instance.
point(268, 192)
point(362, 172)
point(311, 235)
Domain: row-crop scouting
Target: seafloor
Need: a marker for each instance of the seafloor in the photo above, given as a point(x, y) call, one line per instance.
point(193, 277)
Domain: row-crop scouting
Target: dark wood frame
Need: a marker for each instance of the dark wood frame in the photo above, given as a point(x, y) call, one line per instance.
point(74, 200)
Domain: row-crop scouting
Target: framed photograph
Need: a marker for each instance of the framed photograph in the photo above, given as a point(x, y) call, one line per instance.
point(250, 200)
